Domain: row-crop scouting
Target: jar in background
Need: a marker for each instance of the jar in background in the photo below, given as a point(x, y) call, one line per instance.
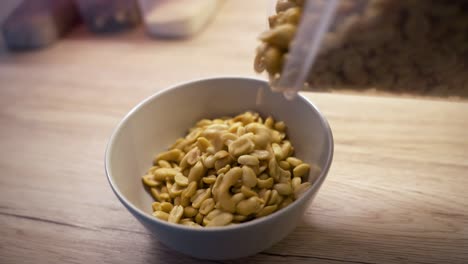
point(177, 18)
point(109, 15)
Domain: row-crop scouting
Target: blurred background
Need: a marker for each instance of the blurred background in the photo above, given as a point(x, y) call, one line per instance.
point(373, 46)
point(29, 25)
point(6, 7)
point(107, 48)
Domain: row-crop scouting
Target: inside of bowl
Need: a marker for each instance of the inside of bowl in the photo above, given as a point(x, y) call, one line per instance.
point(156, 123)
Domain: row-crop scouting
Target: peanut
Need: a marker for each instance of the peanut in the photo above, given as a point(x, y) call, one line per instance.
point(206, 206)
point(190, 212)
point(284, 189)
point(175, 214)
point(301, 189)
point(149, 181)
point(209, 179)
point(196, 172)
point(249, 206)
point(161, 215)
point(181, 180)
point(294, 161)
point(242, 145)
point(171, 155)
point(248, 160)
point(247, 192)
point(301, 170)
point(221, 220)
point(249, 178)
point(267, 210)
point(265, 184)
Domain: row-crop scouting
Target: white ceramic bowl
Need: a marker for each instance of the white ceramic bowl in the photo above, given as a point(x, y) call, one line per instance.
point(158, 121)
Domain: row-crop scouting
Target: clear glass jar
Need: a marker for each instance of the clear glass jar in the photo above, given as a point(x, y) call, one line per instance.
point(414, 47)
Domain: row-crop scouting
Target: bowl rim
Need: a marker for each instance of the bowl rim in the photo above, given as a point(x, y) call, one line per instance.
point(258, 221)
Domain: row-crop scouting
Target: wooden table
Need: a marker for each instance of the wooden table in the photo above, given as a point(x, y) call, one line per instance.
point(396, 192)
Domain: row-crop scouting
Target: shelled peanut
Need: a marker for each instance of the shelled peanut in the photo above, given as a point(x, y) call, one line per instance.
point(227, 171)
point(271, 54)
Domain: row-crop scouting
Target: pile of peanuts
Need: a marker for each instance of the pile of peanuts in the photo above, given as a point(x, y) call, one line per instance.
point(272, 52)
point(405, 47)
point(227, 171)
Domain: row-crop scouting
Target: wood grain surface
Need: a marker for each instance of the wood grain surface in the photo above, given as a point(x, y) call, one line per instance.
point(396, 192)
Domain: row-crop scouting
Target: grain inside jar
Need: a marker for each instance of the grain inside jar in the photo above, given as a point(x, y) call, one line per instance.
point(406, 47)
